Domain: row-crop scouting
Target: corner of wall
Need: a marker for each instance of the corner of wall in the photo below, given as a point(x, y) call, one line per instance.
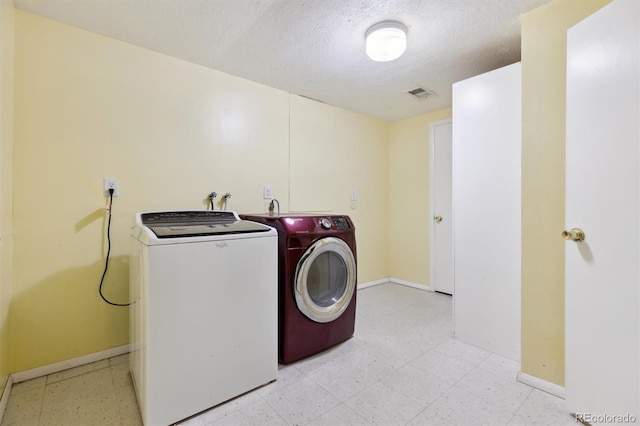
point(6, 172)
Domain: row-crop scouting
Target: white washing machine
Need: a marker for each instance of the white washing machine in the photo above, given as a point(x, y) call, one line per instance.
point(204, 287)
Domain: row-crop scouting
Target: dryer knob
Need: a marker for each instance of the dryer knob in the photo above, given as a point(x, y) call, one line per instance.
point(325, 223)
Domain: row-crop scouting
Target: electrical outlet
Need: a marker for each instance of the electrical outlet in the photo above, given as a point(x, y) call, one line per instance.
point(110, 183)
point(267, 192)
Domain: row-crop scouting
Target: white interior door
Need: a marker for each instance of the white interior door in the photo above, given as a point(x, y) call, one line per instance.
point(603, 192)
point(441, 218)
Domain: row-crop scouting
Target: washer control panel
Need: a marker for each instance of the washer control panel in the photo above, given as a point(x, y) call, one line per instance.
point(197, 223)
point(190, 217)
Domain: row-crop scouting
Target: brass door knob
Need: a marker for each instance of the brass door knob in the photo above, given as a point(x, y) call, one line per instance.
point(438, 219)
point(576, 234)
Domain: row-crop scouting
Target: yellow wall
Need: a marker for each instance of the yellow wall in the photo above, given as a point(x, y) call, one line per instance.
point(543, 159)
point(334, 151)
point(6, 143)
point(409, 180)
point(89, 107)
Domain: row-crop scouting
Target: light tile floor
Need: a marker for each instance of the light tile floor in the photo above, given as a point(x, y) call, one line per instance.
point(401, 368)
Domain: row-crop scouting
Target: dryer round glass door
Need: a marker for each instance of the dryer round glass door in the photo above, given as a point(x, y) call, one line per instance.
point(325, 279)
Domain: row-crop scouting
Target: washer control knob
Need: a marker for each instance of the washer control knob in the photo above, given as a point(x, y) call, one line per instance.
point(325, 223)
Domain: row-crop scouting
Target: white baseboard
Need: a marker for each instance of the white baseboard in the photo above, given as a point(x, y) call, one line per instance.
point(56, 367)
point(410, 284)
point(5, 397)
point(372, 283)
point(394, 281)
point(540, 384)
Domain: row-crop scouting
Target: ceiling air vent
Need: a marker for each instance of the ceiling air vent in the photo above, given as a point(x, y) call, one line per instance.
point(421, 93)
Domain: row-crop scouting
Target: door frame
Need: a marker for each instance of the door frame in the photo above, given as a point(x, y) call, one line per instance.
point(432, 212)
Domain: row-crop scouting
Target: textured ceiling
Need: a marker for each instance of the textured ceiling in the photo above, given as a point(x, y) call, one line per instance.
point(315, 48)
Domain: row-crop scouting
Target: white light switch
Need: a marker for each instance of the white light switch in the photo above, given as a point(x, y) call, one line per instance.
point(354, 195)
point(267, 192)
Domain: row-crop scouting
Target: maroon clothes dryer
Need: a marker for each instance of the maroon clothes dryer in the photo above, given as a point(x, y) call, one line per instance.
point(317, 282)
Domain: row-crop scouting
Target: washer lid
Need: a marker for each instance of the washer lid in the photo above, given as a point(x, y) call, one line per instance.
point(179, 224)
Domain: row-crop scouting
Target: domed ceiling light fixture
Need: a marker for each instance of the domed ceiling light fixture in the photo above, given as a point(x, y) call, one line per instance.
point(386, 41)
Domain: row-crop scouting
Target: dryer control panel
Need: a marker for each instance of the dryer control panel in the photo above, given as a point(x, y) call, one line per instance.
point(341, 222)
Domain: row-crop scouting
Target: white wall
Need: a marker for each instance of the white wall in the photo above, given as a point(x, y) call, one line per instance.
point(486, 199)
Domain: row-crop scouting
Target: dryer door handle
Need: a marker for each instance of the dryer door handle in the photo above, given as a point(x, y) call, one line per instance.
point(306, 255)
